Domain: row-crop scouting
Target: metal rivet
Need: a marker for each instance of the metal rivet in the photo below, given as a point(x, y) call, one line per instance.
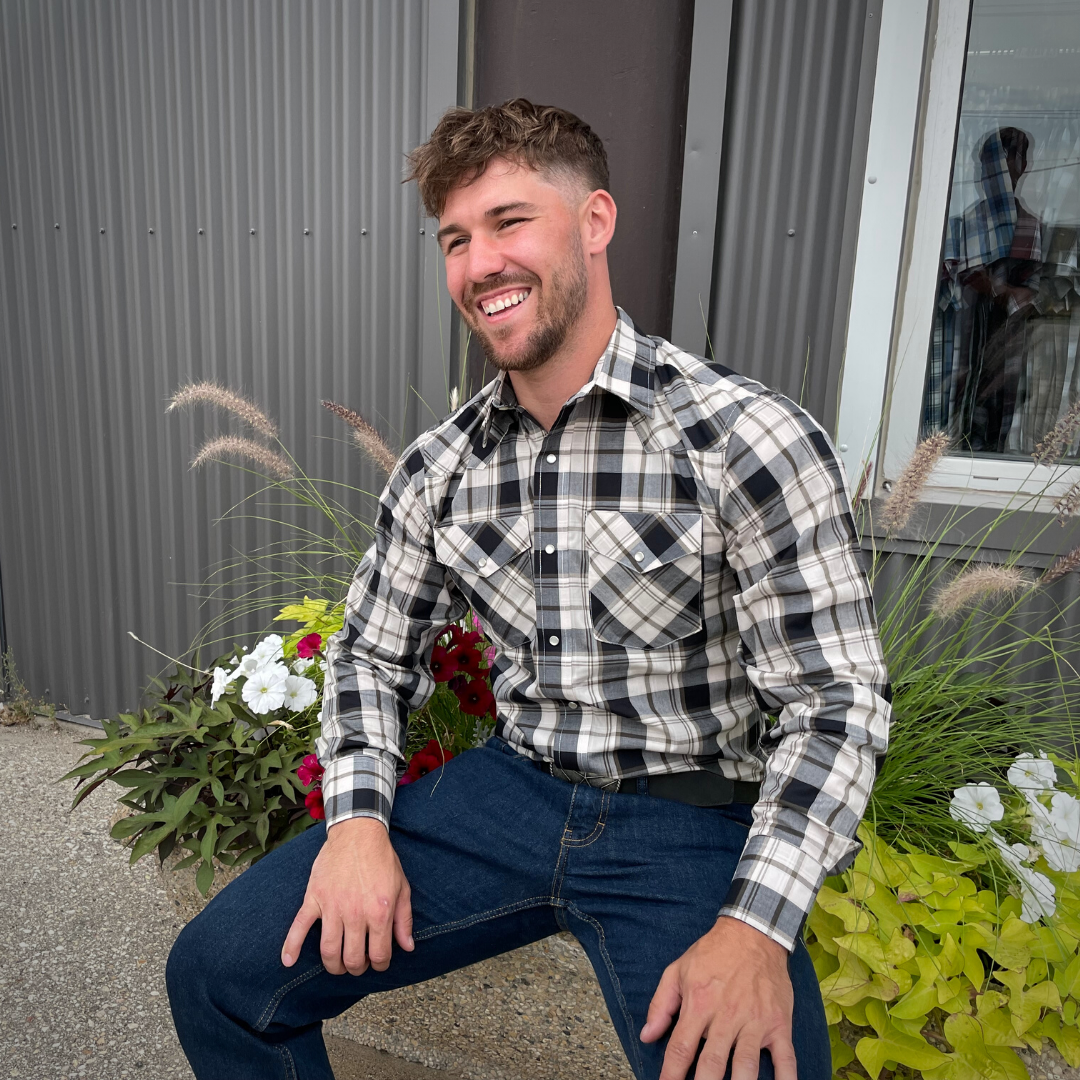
point(57, 225)
point(887, 485)
point(14, 226)
point(86, 701)
point(791, 232)
point(421, 232)
point(695, 232)
point(363, 232)
point(550, 549)
point(102, 231)
point(307, 232)
point(252, 231)
point(553, 640)
point(871, 179)
point(151, 232)
point(639, 556)
point(200, 232)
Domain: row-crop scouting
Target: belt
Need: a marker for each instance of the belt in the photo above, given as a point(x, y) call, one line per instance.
point(698, 788)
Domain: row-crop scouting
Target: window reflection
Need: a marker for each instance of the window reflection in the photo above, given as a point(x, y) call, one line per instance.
point(1002, 366)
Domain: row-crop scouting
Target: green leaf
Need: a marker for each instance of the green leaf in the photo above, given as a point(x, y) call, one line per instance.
point(148, 841)
point(218, 790)
point(204, 878)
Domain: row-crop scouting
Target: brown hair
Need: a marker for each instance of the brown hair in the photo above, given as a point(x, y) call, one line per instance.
point(542, 137)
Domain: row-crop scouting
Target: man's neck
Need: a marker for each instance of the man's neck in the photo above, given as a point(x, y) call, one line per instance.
point(543, 392)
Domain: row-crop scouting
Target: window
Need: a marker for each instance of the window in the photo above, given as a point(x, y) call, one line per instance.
point(986, 299)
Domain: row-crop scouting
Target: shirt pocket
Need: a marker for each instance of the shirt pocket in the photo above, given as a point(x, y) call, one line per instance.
point(644, 577)
point(492, 563)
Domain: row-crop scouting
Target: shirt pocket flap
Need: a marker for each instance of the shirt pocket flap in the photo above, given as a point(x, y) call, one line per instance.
point(482, 547)
point(643, 542)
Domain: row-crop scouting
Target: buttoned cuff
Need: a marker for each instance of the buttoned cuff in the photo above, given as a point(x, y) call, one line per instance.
point(774, 888)
point(360, 784)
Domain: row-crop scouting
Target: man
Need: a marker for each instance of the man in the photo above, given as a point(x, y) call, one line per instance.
point(664, 555)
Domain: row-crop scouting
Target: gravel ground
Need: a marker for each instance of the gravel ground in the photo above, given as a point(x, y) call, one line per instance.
point(84, 938)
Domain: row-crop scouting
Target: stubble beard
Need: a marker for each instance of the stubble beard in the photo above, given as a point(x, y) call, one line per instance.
point(558, 309)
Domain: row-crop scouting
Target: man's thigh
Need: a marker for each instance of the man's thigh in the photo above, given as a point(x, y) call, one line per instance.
point(642, 890)
point(478, 841)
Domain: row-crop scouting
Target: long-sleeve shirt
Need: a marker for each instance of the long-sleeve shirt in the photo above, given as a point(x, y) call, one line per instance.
point(671, 576)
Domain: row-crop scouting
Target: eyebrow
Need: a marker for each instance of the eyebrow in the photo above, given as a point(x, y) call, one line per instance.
point(494, 212)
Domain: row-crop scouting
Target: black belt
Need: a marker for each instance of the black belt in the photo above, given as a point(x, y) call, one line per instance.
point(698, 788)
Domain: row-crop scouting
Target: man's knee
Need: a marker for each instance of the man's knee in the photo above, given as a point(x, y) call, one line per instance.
point(194, 963)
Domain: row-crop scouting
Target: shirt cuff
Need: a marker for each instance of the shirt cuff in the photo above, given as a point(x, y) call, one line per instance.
point(360, 784)
point(774, 888)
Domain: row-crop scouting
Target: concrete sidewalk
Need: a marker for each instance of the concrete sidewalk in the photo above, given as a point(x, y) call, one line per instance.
point(84, 936)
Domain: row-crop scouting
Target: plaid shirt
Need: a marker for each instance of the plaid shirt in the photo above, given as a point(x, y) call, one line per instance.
point(672, 578)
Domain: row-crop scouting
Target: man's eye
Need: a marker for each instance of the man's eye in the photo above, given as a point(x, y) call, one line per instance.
point(454, 243)
point(511, 221)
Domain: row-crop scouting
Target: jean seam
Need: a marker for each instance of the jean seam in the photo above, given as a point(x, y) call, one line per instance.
point(268, 1013)
point(482, 916)
point(616, 985)
point(598, 828)
point(288, 1062)
point(560, 862)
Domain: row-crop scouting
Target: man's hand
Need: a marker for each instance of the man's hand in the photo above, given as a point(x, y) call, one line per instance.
point(358, 889)
point(731, 988)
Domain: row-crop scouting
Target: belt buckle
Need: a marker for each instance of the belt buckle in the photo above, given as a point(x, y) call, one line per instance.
point(574, 776)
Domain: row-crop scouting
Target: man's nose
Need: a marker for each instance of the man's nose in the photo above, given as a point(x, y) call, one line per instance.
point(485, 259)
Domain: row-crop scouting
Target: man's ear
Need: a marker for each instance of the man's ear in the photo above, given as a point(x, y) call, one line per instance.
point(598, 215)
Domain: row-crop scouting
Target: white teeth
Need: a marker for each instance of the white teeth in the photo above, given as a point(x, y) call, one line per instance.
point(515, 299)
point(500, 305)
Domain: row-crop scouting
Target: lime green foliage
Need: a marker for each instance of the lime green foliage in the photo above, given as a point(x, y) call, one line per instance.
point(930, 957)
point(214, 780)
point(314, 616)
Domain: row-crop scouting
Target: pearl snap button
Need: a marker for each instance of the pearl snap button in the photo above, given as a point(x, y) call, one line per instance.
point(572, 704)
point(639, 555)
point(550, 549)
point(483, 562)
point(553, 640)
point(551, 459)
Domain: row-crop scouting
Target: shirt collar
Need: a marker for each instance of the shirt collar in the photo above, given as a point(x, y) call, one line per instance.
point(625, 369)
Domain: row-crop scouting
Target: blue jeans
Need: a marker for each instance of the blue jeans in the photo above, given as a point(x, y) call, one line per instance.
point(498, 854)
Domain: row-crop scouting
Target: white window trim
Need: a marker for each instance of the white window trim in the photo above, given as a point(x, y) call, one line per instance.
point(897, 267)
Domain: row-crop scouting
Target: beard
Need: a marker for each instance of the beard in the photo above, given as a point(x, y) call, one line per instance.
point(558, 309)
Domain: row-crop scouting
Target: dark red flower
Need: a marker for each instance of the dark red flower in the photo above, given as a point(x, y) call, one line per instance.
point(465, 660)
point(430, 758)
point(476, 698)
point(309, 646)
point(314, 804)
point(310, 771)
point(457, 682)
point(459, 637)
point(442, 669)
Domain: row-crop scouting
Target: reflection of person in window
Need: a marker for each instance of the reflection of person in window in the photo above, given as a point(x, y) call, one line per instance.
point(994, 255)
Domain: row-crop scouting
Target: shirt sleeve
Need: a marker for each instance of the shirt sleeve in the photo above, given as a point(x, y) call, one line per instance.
point(377, 664)
point(811, 652)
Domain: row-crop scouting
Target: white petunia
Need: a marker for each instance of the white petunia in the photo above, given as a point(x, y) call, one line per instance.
point(247, 667)
point(265, 689)
point(977, 805)
point(1037, 894)
point(269, 649)
point(302, 663)
point(220, 684)
point(1032, 774)
point(299, 693)
point(1057, 831)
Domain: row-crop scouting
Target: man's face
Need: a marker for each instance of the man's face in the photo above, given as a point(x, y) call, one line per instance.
point(515, 266)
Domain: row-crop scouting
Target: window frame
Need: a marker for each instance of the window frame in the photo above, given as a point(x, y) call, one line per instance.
point(918, 91)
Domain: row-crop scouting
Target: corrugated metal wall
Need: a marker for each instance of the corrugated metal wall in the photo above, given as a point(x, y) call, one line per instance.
point(800, 86)
point(196, 190)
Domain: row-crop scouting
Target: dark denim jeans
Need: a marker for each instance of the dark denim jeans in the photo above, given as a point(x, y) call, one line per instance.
point(498, 854)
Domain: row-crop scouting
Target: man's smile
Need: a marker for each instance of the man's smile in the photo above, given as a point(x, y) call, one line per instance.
point(496, 307)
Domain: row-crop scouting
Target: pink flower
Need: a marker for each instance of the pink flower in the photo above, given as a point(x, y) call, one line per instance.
point(310, 771)
point(476, 624)
point(309, 646)
point(489, 655)
point(314, 804)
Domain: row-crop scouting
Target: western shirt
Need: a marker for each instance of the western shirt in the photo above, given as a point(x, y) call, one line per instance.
point(672, 579)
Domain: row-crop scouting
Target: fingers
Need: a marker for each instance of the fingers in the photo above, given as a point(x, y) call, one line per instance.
point(330, 944)
point(681, 1050)
point(294, 940)
point(783, 1059)
point(403, 920)
point(663, 1007)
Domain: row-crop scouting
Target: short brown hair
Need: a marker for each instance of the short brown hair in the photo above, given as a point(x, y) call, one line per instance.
point(542, 137)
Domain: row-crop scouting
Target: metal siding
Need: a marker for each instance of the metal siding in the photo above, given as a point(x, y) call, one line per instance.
point(793, 130)
point(177, 116)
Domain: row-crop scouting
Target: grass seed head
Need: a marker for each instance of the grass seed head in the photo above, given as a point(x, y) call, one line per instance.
point(901, 503)
point(208, 393)
point(978, 584)
point(365, 437)
point(233, 446)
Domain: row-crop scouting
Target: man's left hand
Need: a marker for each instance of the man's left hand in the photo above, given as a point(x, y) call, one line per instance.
point(732, 989)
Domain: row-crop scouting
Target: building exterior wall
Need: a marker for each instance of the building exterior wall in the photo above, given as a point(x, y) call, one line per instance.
point(197, 191)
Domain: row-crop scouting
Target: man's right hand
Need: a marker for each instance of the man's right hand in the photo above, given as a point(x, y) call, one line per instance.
point(358, 889)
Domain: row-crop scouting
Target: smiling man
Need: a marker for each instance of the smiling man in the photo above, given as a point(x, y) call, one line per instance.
point(690, 690)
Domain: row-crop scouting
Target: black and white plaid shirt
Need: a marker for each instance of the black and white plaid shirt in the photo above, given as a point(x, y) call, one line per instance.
point(669, 565)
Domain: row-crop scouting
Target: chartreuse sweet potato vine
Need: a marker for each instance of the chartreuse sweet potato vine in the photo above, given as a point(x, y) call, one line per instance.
point(941, 977)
